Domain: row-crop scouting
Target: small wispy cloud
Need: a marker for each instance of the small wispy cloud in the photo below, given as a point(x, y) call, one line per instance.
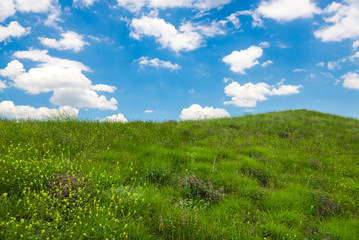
point(157, 63)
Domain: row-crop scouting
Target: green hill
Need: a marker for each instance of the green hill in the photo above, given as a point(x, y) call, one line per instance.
point(282, 175)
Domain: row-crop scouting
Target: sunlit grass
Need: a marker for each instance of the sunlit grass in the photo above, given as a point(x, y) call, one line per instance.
point(285, 175)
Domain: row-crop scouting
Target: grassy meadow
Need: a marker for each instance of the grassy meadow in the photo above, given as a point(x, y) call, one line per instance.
point(282, 175)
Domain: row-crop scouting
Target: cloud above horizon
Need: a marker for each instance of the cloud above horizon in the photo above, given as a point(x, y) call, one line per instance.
point(115, 118)
point(63, 77)
point(10, 110)
point(188, 37)
point(196, 112)
point(244, 59)
point(249, 94)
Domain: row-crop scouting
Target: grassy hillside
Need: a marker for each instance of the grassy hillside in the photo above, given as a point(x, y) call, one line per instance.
point(284, 175)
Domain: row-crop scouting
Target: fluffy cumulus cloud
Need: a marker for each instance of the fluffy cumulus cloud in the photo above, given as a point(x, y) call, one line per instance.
point(351, 80)
point(342, 23)
point(115, 118)
point(10, 110)
point(249, 94)
point(188, 37)
point(157, 63)
point(33, 6)
point(287, 10)
point(9, 7)
point(195, 112)
point(12, 70)
point(69, 41)
point(13, 29)
point(82, 98)
point(103, 88)
point(137, 5)
point(63, 77)
point(244, 59)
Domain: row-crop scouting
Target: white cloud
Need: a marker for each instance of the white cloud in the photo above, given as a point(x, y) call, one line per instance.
point(195, 112)
point(213, 29)
point(63, 77)
point(320, 64)
point(188, 37)
point(10, 110)
point(334, 64)
point(85, 3)
point(2, 86)
point(136, 5)
point(13, 69)
point(209, 4)
point(148, 111)
point(225, 79)
point(353, 2)
point(342, 24)
point(234, 19)
point(115, 118)
point(351, 80)
point(283, 46)
point(354, 57)
point(249, 94)
point(50, 78)
point(264, 44)
point(14, 29)
point(103, 88)
point(69, 41)
point(47, 60)
point(257, 21)
point(165, 33)
point(287, 10)
point(266, 63)
point(284, 89)
point(7, 9)
point(132, 5)
point(356, 44)
point(82, 98)
point(337, 64)
point(54, 17)
point(33, 6)
point(244, 59)
point(157, 63)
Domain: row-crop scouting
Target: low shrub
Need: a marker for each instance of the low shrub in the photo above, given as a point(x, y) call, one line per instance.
point(200, 190)
point(260, 175)
point(325, 206)
point(71, 187)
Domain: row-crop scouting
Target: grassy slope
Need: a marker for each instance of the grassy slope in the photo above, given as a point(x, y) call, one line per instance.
point(276, 170)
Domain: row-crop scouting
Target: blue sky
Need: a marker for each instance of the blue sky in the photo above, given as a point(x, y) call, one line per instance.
point(126, 60)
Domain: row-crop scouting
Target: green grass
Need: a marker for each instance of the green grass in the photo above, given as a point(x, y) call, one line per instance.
point(283, 175)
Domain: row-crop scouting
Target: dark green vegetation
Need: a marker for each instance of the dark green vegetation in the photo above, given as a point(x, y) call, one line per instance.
point(285, 175)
